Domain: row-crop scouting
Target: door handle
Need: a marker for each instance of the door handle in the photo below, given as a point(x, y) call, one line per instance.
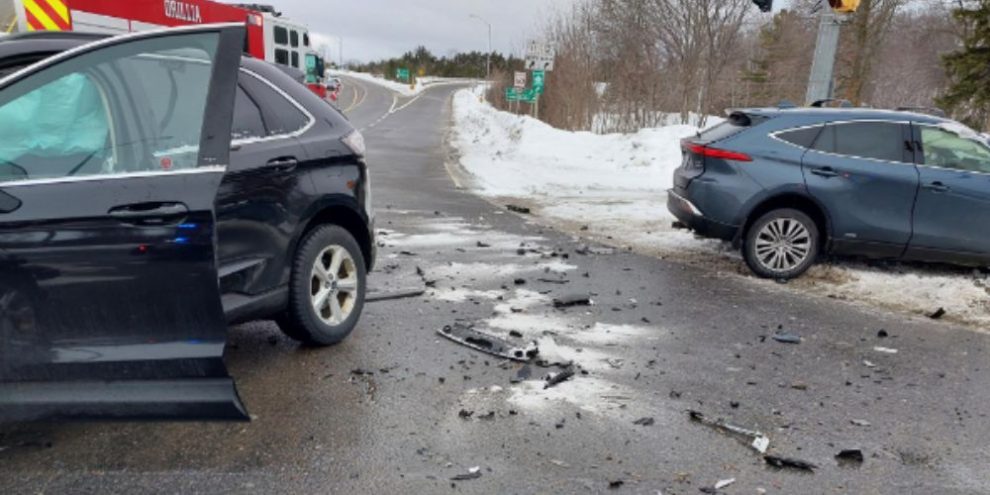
point(937, 187)
point(826, 172)
point(284, 164)
point(149, 213)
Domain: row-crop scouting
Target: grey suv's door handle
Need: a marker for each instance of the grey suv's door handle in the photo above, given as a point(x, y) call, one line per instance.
point(149, 213)
point(826, 172)
point(938, 187)
point(284, 164)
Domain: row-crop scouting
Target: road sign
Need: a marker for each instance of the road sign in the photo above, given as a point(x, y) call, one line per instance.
point(529, 95)
point(402, 75)
point(513, 94)
point(521, 79)
point(540, 56)
point(539, 80)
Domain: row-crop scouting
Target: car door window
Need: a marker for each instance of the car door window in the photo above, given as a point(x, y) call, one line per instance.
point(872, 140)
point(282, 117)
point(957, 150)
point(248, 121)
point(804, 138)
point(104, 113)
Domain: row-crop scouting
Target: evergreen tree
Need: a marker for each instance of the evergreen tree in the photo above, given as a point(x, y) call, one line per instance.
point(968, 95)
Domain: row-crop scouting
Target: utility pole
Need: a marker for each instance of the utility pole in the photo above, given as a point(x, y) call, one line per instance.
point(820, 84)
point(488, 63)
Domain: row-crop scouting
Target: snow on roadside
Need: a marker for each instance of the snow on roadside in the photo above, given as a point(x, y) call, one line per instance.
point(422, 83)
point(613, 188)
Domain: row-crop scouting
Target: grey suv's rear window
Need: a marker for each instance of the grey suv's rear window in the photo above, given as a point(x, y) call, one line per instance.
point(873, 140)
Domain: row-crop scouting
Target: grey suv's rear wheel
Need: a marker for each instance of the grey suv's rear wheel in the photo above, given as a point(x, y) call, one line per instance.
point(327, 290)
point(781, 244)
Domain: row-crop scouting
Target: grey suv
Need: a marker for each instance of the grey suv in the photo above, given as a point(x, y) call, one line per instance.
point(786, 185)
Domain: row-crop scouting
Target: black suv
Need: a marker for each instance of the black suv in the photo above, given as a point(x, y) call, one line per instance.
point(153, 188)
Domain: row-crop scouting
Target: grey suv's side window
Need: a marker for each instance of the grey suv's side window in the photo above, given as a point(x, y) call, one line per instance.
point(804, 138)
point(871, 140)
point(946, 149)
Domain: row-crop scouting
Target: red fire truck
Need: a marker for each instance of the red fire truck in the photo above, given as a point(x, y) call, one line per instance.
point(271, 37)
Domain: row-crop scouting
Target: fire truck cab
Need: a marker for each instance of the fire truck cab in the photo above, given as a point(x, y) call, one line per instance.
point(271, 37)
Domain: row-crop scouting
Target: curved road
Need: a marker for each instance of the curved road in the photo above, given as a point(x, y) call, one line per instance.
point(381, 413)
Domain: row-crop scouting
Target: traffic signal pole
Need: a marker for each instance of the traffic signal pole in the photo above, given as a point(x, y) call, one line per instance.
point(820, 85)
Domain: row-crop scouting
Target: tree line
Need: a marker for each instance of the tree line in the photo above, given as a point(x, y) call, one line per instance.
point(422, 61)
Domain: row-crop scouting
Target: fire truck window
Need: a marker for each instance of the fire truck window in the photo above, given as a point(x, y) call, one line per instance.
point(295, 39)
point(134, 107)
point(281, 56)
point(248, 122)
point(295, 59)
point(305, 39)
point(281, 36)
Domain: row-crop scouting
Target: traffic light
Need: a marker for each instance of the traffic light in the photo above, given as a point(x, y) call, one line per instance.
point(764, 5)
point(844, 6)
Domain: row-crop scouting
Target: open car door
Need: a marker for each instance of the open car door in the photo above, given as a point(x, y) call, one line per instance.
point(111, 156)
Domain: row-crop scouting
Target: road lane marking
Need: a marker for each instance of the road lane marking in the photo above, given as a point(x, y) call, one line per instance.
point(357, 101)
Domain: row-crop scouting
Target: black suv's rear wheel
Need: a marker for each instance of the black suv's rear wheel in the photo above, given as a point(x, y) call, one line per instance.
point(327, 290)
point(781, 244)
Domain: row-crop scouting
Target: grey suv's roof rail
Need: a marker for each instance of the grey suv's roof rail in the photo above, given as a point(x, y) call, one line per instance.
point(936, 112)
point(842, 103)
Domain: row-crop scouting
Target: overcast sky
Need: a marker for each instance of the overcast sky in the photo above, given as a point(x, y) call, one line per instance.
point(375, 29)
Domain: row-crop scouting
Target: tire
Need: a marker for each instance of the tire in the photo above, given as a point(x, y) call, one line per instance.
point(312, 317)
point(782, 244)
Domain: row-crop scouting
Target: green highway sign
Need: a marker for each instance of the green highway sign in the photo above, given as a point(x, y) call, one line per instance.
point(539, 80)
point(402, 75)
point(529, 95)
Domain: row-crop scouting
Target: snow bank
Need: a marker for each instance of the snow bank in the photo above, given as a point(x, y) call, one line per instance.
point(401, 88)
point(613, 188)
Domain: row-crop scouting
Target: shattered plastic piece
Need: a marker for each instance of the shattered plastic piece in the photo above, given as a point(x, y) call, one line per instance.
point(518, 209)
point(860, 422)
point(850, 456)
point(465, 414)
point(615, 485)
point(644, 422)
point(571, 301)
point(560, 463)
point(483, 245)
point(938, 314)
point(724, 483)
point(789, 463)
point(885, 350)
point(882, 334)
point(489, 344)
point(472, 474)
point(787, 338)
point(559, 378)
point(757, 440)
point(869, 364)
point(393, 295)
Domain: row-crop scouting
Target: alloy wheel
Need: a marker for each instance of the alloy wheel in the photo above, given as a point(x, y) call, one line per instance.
point(334, 285)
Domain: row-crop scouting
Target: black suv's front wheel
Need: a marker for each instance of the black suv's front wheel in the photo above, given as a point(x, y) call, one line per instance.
point(782, 244)
point(327, 290)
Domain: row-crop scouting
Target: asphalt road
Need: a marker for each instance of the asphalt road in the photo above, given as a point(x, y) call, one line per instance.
point(380, 413)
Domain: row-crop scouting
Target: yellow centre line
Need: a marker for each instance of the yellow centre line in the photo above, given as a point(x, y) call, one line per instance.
point(357, 102)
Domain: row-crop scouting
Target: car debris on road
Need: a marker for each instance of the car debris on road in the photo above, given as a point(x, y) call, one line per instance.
point(467, 336)
point(393, 295)
point(558, 378)
point(472, 474)
point(789, 463)
point(755, 439)
point(572, 300)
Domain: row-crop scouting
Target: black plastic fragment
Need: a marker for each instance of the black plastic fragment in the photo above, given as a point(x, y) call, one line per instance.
point(393, 295)
point(938, 314)
point(518, 209)
point(850, 457)
point(789, 463)
point(571, 301)
point(566, 374)
point(787, 338)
